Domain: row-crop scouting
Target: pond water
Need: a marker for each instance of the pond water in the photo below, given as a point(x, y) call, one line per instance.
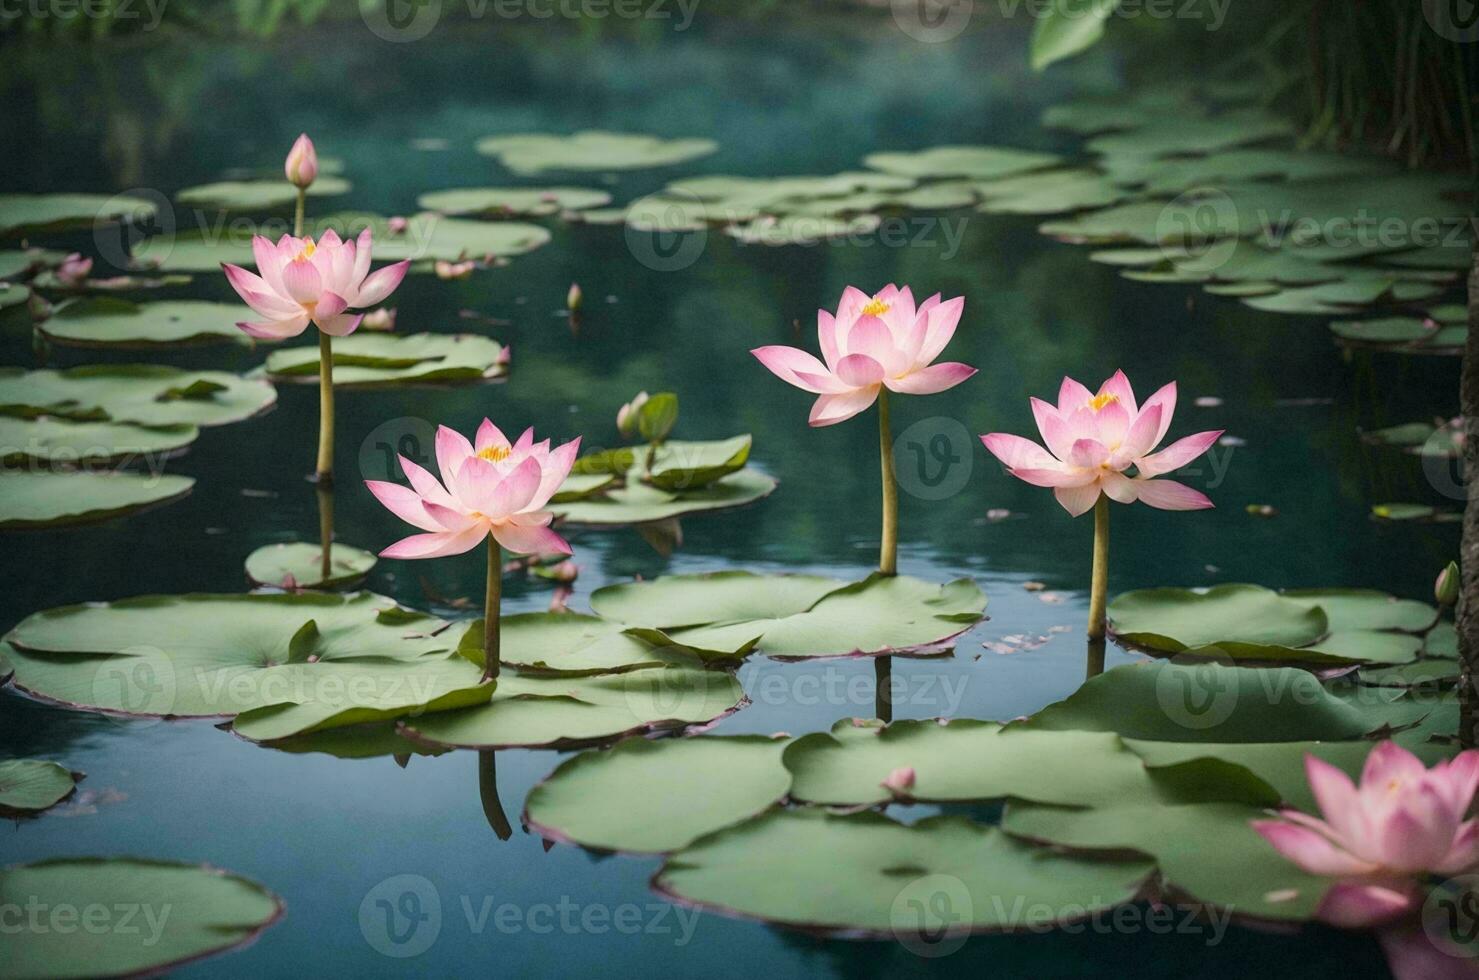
point(809, 98)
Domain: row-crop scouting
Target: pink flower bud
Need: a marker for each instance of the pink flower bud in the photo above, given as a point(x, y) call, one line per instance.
point(397, 225)
point(900, 781)
point(73, 270)
point(1446, 588)
point(381, 319)
point(302, 163)
point(573, 297)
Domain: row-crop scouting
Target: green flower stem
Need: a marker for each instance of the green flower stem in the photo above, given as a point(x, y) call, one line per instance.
point(1099, 583)
point(491, 605)
point(883, 692)
point(1094, 662)
point(488, 793)
point(298, 212)
point(888, 549)
point(325, 466)
point(325, 528)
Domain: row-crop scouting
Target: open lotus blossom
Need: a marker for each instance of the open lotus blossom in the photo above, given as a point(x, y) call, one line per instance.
point(303, 281)
point(874, 342)
point(1094, 438)
point(491, 486)
point(1403, 823)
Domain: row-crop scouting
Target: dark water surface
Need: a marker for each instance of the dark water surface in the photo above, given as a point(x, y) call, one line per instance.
point(780, 99)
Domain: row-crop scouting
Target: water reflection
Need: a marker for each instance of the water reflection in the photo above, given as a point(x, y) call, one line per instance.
point(488, 794)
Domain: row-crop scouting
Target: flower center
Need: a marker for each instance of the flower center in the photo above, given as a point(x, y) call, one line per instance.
point(307, 253)
point(1102, 400)
point(876, 308)
point(494, 454)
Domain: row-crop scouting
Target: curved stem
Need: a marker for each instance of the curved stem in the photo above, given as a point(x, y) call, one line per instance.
point(1099, 583)
point(888, 549)
point(488, 794)
point(492, 602)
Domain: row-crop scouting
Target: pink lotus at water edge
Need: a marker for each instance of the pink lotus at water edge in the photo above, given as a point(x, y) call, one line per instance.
point(302, 281)
point(1094, 438)
point(491, 486)
point(877, 342)
point(1381, 839)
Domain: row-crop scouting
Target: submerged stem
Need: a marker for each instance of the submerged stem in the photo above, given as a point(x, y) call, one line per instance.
point(325, 530)
point(883, 688)
point(1099, 583)
point(888, 563)
point(491, 605)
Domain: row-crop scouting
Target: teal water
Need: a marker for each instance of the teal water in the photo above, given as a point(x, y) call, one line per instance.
point(780, 97)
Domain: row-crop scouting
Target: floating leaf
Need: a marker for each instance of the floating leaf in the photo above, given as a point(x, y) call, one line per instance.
point(373, 359)
point(493, 202)
point(801, 229)
point(1419, 438)
point(1160, 175)
point(119, 323)
point(31, 214)
point(257, 195)
point(567, 644)
point(974, 162)
point(159, 915)
point(145, 394)
point(565, 711)
point(32, 785)
point(1052, 192)
point(1402, 512)
point(297, 564)
point(12, 294)
point(1441, 641)
point(1170, 135)
point(1402, 334)
point(1367, 609)
point(1065, 28)
point(866, 876)
point(47, 498)
point(591, 149)
point(52, 441)
point(654, 796)
point(795, 617)
point(957, 760)
point(638, 503)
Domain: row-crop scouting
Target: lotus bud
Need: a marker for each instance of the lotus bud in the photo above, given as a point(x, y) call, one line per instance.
point(626, 416)
point(453, 270)
point(397, 225)
point(302, 163)
point(381, 319)
point(565, 572)
point(573, 298)
point(900, 781)
point(73, 270)
point(1446, 588)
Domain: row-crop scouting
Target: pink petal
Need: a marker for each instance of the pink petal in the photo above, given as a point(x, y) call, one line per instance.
point(489, 436)
point(381, 283)
point(1072, 396)
point(258, 295)
point(1411, 955)
point(437, 544)
point(264, 253)
point(1119, 488)
point(942, 321)
point(1140, 438)
point(1087, 454)
point(403, 503)
point(869, 335)
point(329, 305)
point(1016, 452)
point(516, 490)
point(1078, 500)
point(1412, 837)
point(1178, 453)
point(363, 245)
point(1463, 853)
point(556, 468)
point(1350, 905)
point(858, 370)
point(476, 481)
point(301, 281)
point(1170, 495)
point(852, 301)
point(448, 518)
point(427, 487)
point(452, 451)
point(275, 329)
point(1336, 796)
point(1309, 850)
point(827, 338)
point(1053, 427)
point(1057, 475)
point(1390, 763)
point(831, 409)
point(797, 367)
point(935, 378)
point(530, 540)
point(1165, 399)
point(1119, 386)
point(342, 325)
point(1111, 423)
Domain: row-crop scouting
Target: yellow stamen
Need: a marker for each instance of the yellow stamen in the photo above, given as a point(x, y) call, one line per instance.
point(1102, 400)
point(307, 253)
point(494, 454)
point(876, 308)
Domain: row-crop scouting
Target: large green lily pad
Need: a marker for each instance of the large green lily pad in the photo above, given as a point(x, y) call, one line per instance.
point(568, 644)
point(1403, 335)
point(957, 760)
point(1050, 192)
point(52, 441)
point(591, 149)
point(30, 214)
point(299, 565)
point(219, 655)
point(155, 915)
point(565, 711)
point(33, 785)
point(145, 394)
point(58, 498)
point(864, 875)
point(655, 796)
point(494, 202)
point(1171, 135)
point(118, 323)
point(588, 500)
point(974, 162)
point(795, 617)
point(257, 195)
point(372, 359)
point(676, 466)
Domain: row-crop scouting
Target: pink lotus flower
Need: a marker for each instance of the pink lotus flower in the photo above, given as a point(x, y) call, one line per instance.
point(73, 270)
point(877, 342)
point(302, 281)
point(492, 487)
point(1404, 822)
point(301, 166)
point(1093, 439)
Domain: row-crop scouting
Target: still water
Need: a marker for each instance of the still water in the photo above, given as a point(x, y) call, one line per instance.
point(780, 98)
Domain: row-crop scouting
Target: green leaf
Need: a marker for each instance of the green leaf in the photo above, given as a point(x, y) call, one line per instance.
point(160, 915)
point(1367, 609)
point(495, 202)
point(568, 644)
point(1067, 27)
point(623, 798)
point(591, 149)
point(297, 564)
point(53, 441)
point(729, 612)
point(867, 876)
point(364, 360)
point(257, 195)
point(116, 323)
point(30, 214)
point(658, 415)
point(973, 162)
point(137, 393)
point(33, 785)
point(46, 498)
point(638, 503)
point(1052, 192)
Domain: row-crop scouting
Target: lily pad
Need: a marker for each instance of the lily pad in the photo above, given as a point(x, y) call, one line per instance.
point(120, 324)
point(957, 760)
point(564, 711)
point(493, 202)
point(218, 655)
point(865, 876)
point(297, 564)
point(33, 785)
point(159, 915)
point(144, 394)
point(795, 617)
point(639, 503)
point(1402, 334)
point(591, 149)
point(1428, 674)
point(13, 294)
point(1443, 441)
point(655, 796)
point(1170, 135)
point(1441, 641)
point(257, 195)
point(31, 214)
point(1052, 192)
point(373, 359)
point(1367, 609)
point(801, 229)
point(974, 162)
point(567, 644)
point(56, 498)
point(52, 441)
